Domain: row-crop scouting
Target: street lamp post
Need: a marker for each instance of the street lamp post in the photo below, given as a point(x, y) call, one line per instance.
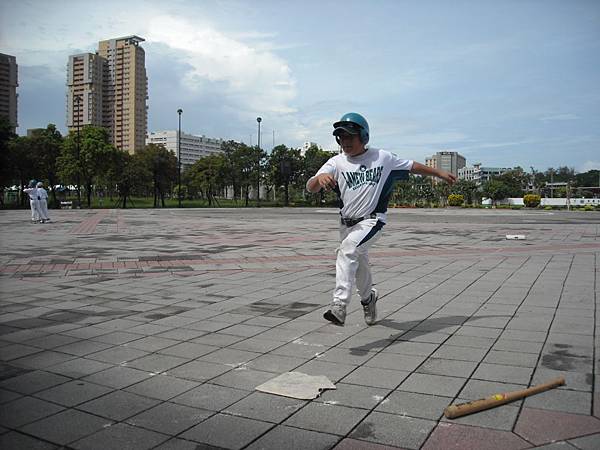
point(78, 102)
point(179, 111)
point(259, 120)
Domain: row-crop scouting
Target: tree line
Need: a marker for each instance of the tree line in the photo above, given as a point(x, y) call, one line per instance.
point(88, 162)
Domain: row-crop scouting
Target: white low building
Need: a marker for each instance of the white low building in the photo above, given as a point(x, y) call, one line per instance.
point(480, 174)
point(193, 147)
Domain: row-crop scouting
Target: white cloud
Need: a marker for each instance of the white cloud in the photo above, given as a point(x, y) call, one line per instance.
point(589, 165)
point(256, 80)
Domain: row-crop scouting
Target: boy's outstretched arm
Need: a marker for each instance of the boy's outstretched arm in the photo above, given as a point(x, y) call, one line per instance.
point(421, 169)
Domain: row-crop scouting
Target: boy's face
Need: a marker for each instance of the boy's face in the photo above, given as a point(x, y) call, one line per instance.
point(351, 144)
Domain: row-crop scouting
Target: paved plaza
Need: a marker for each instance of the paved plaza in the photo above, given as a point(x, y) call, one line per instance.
point(150, 329)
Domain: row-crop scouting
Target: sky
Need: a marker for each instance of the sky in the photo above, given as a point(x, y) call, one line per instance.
point(504, 83)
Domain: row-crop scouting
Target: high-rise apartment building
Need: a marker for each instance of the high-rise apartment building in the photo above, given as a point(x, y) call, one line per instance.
point(448, 161)
point(84, 97)
point(8, 89)
point(110, 89)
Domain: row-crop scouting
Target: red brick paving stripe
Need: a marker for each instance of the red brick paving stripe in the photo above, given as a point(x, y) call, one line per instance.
point(12, 268)
point(542, 426)
point(449, 436)
point(88, 226)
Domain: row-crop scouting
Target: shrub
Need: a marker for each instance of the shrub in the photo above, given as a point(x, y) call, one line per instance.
point(532, 200)
point(455, 200)
point(589, 208)
point(548, 208)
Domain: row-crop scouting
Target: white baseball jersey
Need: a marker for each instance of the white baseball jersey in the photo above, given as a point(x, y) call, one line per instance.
point(42, 194)
point(366, 182)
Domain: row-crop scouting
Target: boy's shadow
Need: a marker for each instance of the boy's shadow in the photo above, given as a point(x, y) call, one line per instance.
point(408, 328)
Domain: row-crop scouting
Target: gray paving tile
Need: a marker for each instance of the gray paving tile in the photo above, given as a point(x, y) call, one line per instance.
point(79, 367)
point(391, 429)
point(587, 442)
point(411, 404)
point(562, 400)
point(189, 350)
point(18, 441)
point(162, 387)
point(120, 436)
point(375, 377)
point(8, 396)
point(118, 405)
point(117, 377)
point(353, 396)
point(157, 363)
point(199, 370)
point(169, 418)
point(454, 368)
point(423, 383)
point(25, 410)
point(511, 358)
point(210, 396)
point(503, 373)
point(265, 407)
point(73, 393)
point(243, 378)
point(459, 353)
point(394, 361)
point(290, 438)
point(217, 431)
point(327, 418)
point(117, 355)
point(65, 427)
point(31, 382)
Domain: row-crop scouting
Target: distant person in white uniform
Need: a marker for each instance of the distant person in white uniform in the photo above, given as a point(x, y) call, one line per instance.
point(363, 178)
point(43, 202)
point(31, 191)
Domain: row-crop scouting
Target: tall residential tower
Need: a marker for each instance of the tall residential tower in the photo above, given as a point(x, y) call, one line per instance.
point(8, 89)
point(110, 89)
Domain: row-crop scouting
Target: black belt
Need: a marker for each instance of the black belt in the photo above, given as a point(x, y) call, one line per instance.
point(352, 222)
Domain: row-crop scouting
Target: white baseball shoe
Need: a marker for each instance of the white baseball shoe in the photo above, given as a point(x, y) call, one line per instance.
point(337, 314)
point(370, 307)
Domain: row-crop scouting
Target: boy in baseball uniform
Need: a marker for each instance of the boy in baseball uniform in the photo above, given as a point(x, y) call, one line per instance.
point(363, 178)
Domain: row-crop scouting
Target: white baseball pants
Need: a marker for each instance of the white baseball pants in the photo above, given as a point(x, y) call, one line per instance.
point(353, 260)
point(43, 205)
point(35, 210)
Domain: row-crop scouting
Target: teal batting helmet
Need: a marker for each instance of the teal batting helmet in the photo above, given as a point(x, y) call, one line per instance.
point(352, 123)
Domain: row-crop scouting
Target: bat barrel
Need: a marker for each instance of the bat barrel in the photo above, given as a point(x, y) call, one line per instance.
point(492, 401)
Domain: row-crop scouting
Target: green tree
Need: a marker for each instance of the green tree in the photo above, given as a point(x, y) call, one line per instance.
point(284, 167)
point(21, 162)
point(496, 190)
point(468, 189)
point(314, 158)
point(87, 162)
point(159, 166)
point(47, 145)
point(515, 181)
point(206, 176)
point(6, 161)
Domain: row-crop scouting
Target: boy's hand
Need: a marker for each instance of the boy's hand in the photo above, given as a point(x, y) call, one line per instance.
point(448, 177)
point(326, 181)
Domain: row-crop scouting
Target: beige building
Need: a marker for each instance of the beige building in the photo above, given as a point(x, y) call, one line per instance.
point(448, 161)
point(110, 89)
point(8, 89)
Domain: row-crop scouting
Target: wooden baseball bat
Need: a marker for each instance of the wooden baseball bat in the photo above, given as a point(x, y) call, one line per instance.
point(492, 401)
